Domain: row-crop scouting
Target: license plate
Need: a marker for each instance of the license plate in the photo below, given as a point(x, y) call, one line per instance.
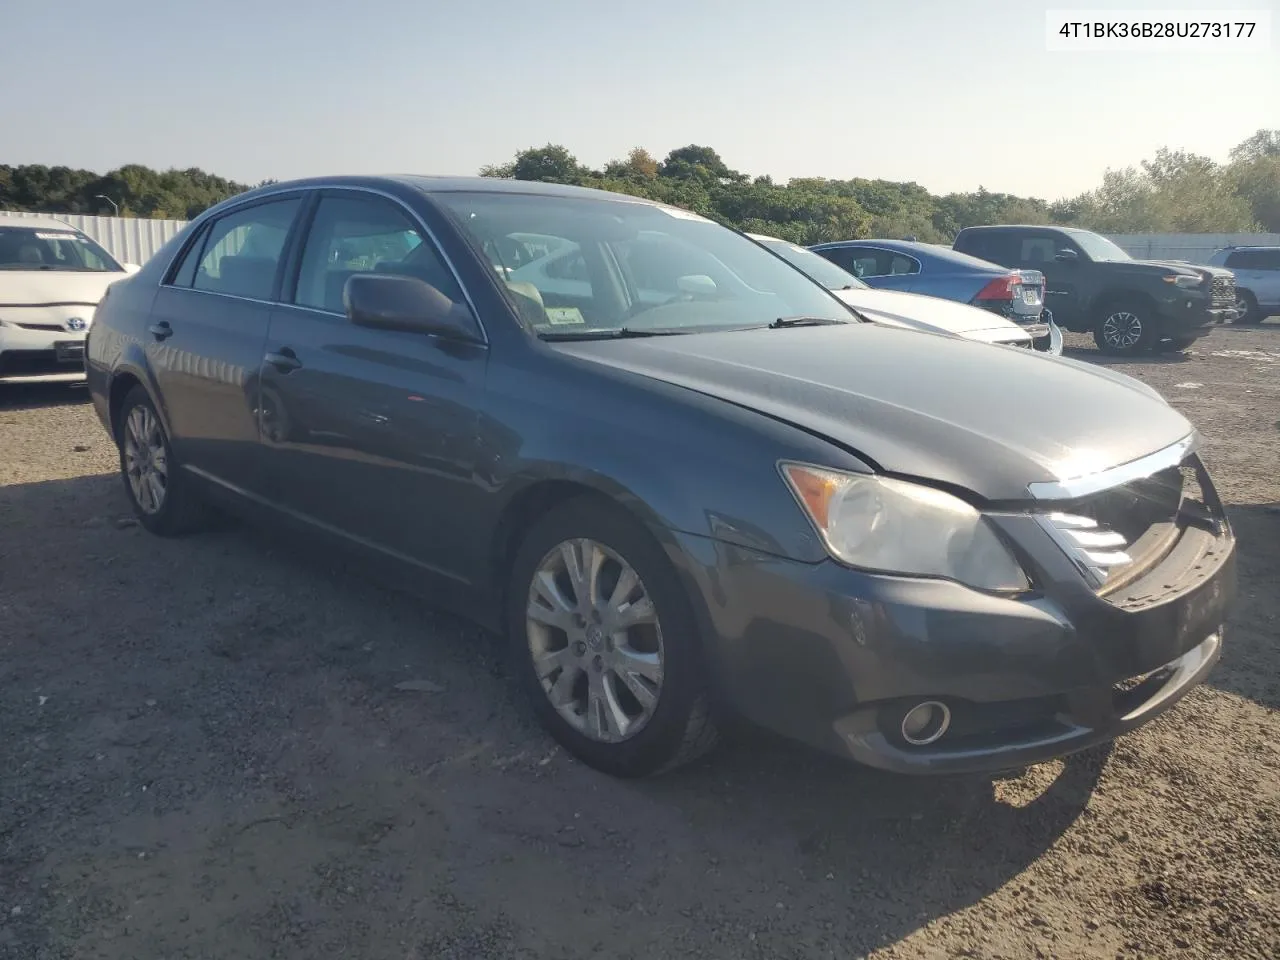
point(69, 351)
point(1030, 296)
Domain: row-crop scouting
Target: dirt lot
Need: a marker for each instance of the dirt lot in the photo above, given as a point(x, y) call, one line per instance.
point(204, 754)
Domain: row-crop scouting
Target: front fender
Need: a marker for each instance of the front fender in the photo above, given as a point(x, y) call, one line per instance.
point(675, 458)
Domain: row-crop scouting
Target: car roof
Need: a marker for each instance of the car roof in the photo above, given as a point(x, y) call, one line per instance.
point(923, 252)
point(1249, 246)
point(445, 184)
point(35, 223)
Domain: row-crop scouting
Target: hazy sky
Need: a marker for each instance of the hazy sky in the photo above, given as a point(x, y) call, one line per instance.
point(947, 93)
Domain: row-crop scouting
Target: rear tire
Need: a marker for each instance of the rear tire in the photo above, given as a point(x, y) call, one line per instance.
point(163, 497)
point(1247, 302)
point(615, 648)
point(1124, 328)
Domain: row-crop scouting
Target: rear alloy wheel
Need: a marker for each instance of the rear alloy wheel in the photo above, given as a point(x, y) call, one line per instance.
point(162, 498)
point(1123, 329)
point(1248, 308)
point(606, 643)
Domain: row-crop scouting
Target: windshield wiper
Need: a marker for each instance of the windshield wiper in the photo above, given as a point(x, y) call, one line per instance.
point(610, 333)
point(804, 322)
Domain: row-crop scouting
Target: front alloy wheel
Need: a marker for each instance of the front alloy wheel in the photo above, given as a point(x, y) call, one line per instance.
point(606, 641)
point(1122, 330)
point(595, 640)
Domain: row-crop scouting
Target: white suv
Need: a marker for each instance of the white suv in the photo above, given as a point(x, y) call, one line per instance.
point(1257, 271)
point(51, 279)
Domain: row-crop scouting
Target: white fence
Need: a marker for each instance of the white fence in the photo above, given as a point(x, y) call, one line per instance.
point(1195, 247)
point(129, 239)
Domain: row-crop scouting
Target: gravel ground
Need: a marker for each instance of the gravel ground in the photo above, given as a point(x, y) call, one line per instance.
point(205, 754)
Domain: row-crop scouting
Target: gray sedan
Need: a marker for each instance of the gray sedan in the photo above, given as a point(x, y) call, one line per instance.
point(695, 484)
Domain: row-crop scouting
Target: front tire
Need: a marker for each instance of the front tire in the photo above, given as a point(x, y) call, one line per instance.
point(1124, 328)
point(1248, 304)
point(605, 642)
point(162, 496)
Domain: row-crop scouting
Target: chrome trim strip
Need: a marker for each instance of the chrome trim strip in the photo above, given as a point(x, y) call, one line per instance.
point(316, 187)
point(228, 296)
point(1074, 487)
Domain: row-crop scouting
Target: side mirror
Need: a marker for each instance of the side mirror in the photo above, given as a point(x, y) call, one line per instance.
point(697, 285)
point(130, 268)
point(1066, 256)
point(392, 302)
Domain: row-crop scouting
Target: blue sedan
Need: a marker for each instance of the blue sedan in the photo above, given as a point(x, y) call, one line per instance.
point(938, 271)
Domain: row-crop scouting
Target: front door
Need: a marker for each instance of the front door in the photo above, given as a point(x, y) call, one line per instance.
point(372, 433)
point(205, 339)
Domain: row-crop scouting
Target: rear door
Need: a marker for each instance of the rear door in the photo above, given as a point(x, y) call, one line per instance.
point(1257, 271)
point(1039, 250)
point(372, 433)
point(206, 333)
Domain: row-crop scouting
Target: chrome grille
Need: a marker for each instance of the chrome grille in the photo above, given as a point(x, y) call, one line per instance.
point(1115, 534)
point(1223, 293)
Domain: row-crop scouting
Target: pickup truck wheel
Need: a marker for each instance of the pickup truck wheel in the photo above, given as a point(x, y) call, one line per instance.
point(1124, 329)
point(1247, 304)
point(605, 642)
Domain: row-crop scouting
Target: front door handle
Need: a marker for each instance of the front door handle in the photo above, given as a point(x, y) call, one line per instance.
point(284, 360)
point(161, 330)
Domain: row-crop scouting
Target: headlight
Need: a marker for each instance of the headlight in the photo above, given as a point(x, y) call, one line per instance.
point(892, 526)
point(1183, 280)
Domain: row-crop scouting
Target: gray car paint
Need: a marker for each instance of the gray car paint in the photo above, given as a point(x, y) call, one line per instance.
point(434, 453)
point(950, 421)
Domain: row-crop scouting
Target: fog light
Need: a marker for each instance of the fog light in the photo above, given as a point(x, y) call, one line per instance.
point(925, 723)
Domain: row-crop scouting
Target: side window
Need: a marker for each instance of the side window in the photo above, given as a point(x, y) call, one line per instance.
point(569, 267)
point(900, 264)
point(185, 275)
point(860, 261)
point(243, 249)
point(359, 234)
point(1037, 251)
point(1254, 260)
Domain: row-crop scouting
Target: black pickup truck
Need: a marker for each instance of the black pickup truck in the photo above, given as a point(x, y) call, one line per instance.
point(1093, 286)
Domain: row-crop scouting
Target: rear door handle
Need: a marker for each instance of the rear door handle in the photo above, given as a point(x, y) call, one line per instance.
point(284, 360)
point(161, 330)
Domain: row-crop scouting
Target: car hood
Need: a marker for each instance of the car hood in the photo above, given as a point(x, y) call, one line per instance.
point(950, 410)
point(1162, 267)
point(919, 312)
point(34, 288)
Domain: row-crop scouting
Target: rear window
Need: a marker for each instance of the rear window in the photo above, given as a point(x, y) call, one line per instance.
point(35, 248)
point(989, 245)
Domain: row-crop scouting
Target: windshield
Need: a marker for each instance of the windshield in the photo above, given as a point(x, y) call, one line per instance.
point(1097, 247)
point(820, 268)
point(588, 267)
point(27, 248)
